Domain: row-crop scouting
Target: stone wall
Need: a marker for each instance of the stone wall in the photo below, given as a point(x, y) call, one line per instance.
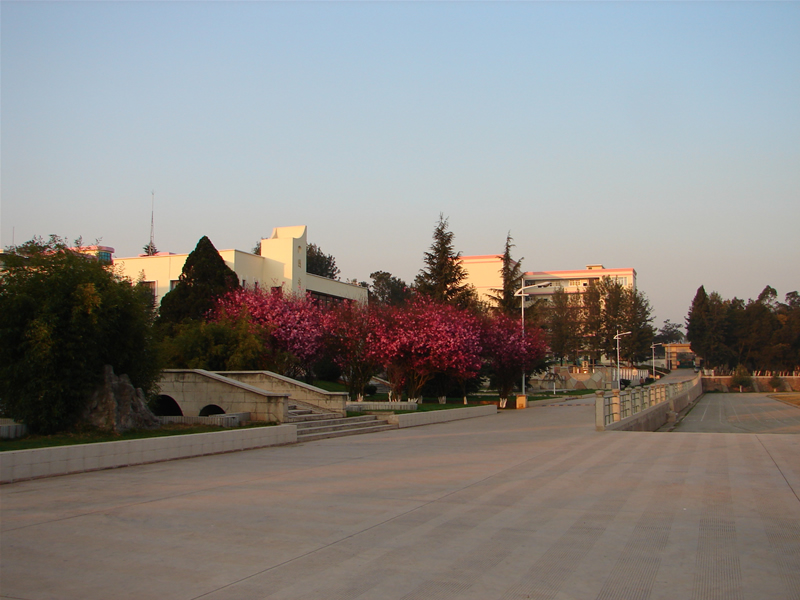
point(296, 390)
point(760, 384)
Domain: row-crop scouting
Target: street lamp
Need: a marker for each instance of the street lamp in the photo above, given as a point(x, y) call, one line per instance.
point(617, 337)
point(653, 346)
point(521, 293)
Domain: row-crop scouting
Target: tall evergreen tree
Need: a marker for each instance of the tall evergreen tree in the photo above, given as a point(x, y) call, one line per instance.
point(442, 277)
point(205, 277)
point(697, 323)
point(511, 275)
point(592, 311)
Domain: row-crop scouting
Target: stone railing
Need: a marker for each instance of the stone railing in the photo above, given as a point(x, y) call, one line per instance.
point(644, 408)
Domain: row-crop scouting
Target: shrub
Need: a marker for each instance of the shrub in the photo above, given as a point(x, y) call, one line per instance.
point(741, 378)
point(776, 383)
point(63, 316)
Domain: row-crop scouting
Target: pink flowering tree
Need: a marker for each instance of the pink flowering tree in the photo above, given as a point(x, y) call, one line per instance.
point(424, 338)
point(508, 354)
point(351, 343)
point(291, 328)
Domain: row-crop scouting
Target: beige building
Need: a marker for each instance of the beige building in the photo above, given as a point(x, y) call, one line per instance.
point(483, 272)
point(282, 265)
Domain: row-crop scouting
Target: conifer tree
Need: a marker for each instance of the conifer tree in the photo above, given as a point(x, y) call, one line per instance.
point(205, 277)
point(697, 323)
point(511, 274)
point(442, 277)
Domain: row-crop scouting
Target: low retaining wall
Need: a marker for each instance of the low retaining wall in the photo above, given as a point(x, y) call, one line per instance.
point(644, 408)
point(225, 420)
point(9, 430)
point(61, 460)
point(760, 384)
point(440, 416)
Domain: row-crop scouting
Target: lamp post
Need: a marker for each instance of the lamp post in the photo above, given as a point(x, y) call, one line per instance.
point(617, 337)
point(521, 293)
point(653, 347)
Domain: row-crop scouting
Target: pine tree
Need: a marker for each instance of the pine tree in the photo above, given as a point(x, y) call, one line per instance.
point(443, 275)
point(511, 274)
point(205, 277)
point(697, 323)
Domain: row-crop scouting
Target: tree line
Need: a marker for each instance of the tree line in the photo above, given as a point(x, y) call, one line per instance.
point(432, 337)
point(760, 334)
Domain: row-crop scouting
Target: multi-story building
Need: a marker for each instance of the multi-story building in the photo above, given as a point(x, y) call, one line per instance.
point(281, 266)
point(483, 272)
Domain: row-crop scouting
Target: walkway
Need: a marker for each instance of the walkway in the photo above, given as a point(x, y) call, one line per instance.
point(741, 413)
point(525, 504)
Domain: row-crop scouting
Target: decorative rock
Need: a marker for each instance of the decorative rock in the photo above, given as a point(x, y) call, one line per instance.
point(117, 406)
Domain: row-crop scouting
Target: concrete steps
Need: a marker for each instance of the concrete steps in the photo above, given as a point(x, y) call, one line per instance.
point(318, 429)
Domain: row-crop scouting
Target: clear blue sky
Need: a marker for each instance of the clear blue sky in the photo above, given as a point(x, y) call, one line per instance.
point(659, 136)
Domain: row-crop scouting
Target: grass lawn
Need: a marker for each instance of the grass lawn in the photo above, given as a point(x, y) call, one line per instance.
point(92, 436)
point(793, 399)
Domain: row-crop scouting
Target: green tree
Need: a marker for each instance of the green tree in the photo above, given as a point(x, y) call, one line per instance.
point(697, 323)
point(63, 316)
point(670, 333)
point(637, 318)
point(205, 277)
point(388, 290)
point(511, 276)
point(319, 263)
point(592, 320)
point(443, 275)
point(720, 341)
point(613, 320)
point(564, 325)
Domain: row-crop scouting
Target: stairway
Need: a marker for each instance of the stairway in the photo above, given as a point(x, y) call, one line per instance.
point(314, 424)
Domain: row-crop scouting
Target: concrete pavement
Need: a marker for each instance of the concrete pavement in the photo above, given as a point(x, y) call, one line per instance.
point(741, 413)
point(525, 504)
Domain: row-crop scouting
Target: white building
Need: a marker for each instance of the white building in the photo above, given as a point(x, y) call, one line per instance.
point(282, 265)
point(483, 272)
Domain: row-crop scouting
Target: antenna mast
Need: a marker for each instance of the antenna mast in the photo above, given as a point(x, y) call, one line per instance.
point(152, 213)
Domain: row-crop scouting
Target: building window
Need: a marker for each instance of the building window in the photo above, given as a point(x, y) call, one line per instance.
point(152, 287)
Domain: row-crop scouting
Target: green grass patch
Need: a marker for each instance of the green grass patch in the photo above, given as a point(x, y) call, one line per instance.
point(94, 436)
point(329, 386)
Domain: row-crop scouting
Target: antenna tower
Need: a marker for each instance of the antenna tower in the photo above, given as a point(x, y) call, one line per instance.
point(152, 213)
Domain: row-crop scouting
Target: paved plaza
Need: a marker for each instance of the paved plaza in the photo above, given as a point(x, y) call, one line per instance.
point(525, 504)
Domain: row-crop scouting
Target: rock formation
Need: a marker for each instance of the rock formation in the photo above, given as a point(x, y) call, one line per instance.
point(117, 406)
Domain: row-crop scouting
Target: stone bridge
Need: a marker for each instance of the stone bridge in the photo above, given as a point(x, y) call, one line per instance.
point(195, 392)
point(265, 395)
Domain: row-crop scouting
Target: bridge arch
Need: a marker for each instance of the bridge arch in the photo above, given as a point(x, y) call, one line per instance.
point(166, 406)
point(211, 409)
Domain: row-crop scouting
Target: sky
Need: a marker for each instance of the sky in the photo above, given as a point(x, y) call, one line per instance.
point(655, 135)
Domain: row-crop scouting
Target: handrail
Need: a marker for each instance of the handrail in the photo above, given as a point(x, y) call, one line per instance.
point(615, 405)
